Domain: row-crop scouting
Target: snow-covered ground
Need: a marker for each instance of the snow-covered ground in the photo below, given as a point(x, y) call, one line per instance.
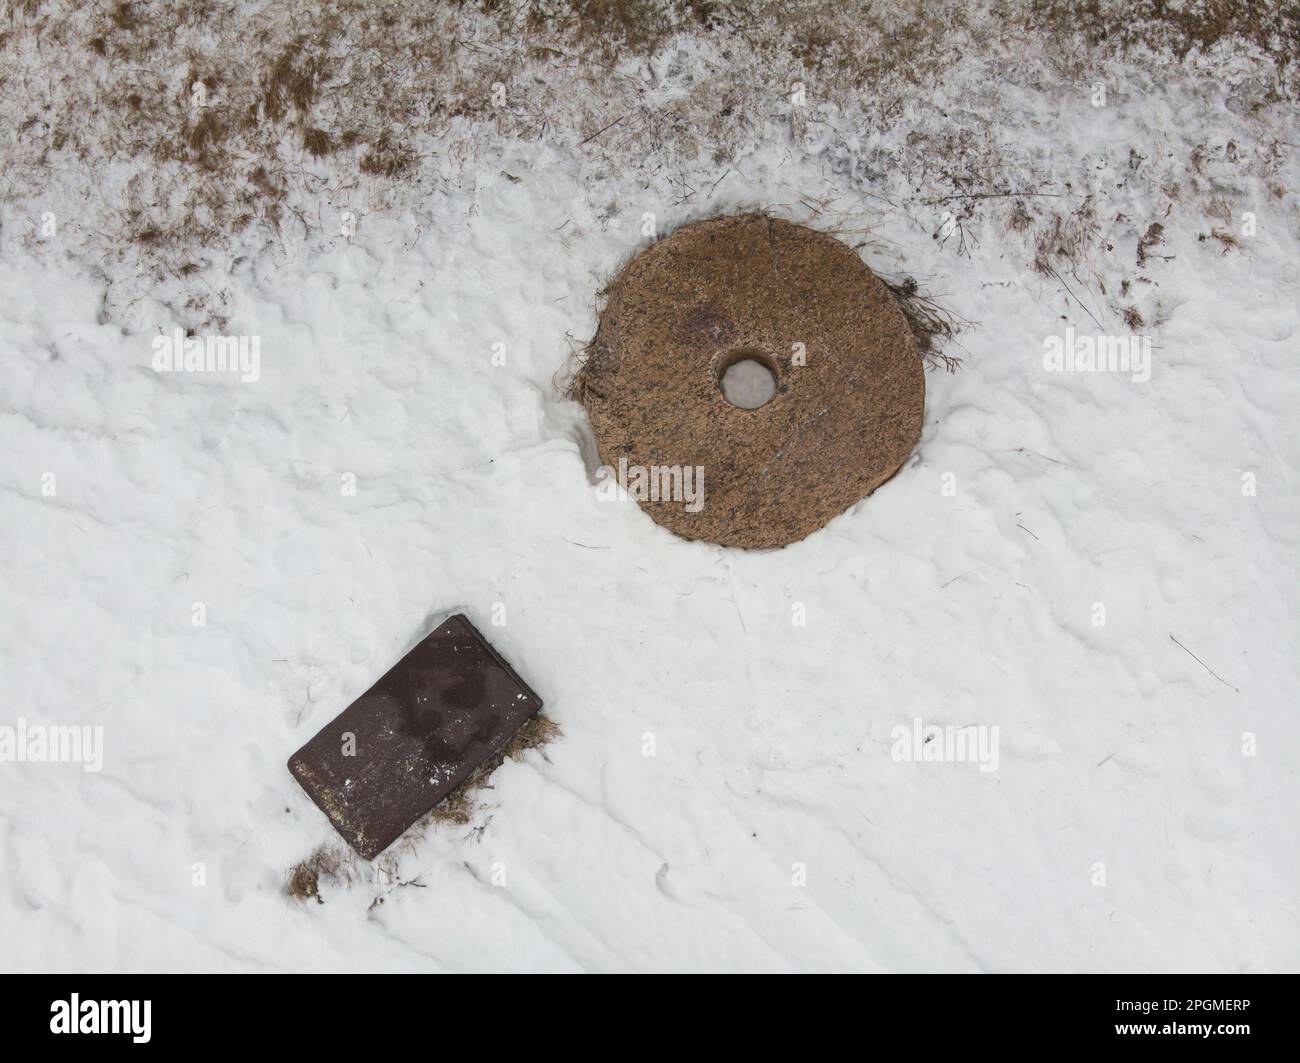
point(1102, 567)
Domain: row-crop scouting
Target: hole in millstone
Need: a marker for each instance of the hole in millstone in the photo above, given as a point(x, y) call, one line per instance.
point(747, 379)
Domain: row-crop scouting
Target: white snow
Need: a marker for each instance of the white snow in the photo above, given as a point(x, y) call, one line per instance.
point(771, 829)
point(748, 384)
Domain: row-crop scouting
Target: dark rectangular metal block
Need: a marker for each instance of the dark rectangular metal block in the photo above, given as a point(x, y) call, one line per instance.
point(413, 737)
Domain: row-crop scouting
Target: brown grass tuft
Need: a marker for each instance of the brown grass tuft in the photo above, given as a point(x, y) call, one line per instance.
point(931, 324)
point(1064, 242)
point(386, 158)
point(317, 141)
point(122, 16)
point(302, 881)
point(461, 805)
point(1154, 236)
point(291, 83)
point(208, 132)
point(1227, 241)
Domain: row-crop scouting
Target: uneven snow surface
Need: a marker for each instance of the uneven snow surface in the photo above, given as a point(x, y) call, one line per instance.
point(405, 450)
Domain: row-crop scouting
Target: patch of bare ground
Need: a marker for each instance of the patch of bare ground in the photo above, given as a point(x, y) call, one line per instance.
point(1183, 28)
point(180, 129)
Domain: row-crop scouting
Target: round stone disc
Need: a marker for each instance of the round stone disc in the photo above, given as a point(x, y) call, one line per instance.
point(849, 396)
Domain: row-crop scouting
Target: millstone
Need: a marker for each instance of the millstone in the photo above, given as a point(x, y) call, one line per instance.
point(850, 387)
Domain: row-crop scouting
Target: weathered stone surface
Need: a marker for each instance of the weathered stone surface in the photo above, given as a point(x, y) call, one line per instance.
point(685, 308)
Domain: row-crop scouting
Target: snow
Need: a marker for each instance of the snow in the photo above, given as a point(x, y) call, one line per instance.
point(748, 384)
point(419, 362)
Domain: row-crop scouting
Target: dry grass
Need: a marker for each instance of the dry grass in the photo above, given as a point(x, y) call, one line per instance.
point(1186, 28)
point(1152, 238)
point(302, 882)
point(1062, 243)
point(1227, 241)
point(372, 106)
point(932, 324)
point(461, 805)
